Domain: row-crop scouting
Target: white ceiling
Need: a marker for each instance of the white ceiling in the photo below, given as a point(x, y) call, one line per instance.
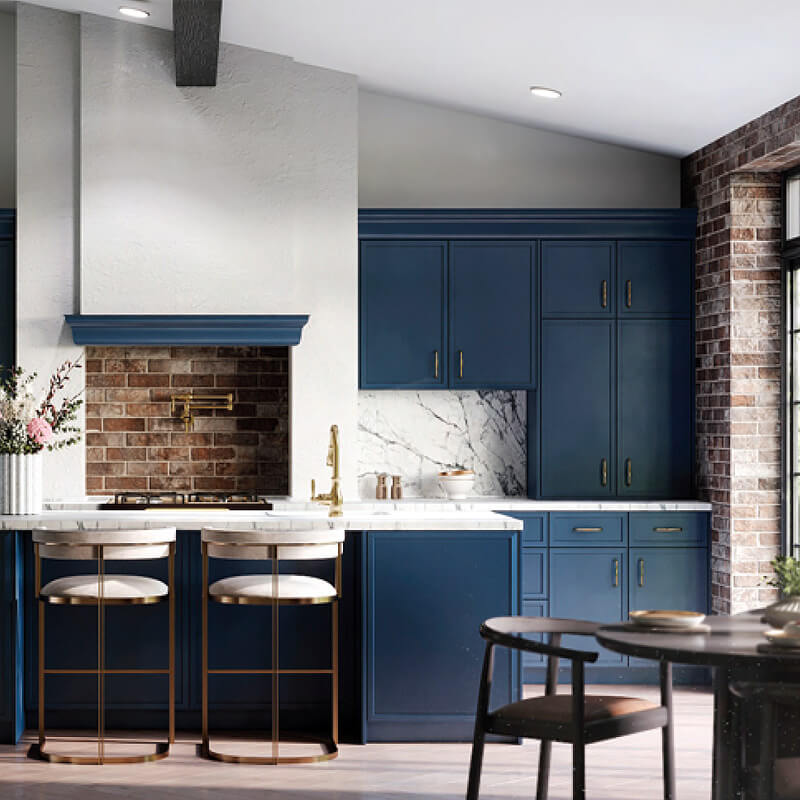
point(668, 77)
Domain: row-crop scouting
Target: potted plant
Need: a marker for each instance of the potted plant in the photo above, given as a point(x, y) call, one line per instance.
point(787, 579)
point(27, 428)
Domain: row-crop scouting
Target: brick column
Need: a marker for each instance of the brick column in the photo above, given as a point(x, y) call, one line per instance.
point(734, 182)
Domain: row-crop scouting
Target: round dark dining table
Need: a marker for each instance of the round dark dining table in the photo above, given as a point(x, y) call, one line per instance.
point(734, 649)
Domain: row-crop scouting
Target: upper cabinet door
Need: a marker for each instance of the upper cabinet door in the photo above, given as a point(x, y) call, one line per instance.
point(7, 310)
point(577, 409)
point(655, 279)
point(492, 317)
point(578, 279)
point(654, 411)
point(403, 299)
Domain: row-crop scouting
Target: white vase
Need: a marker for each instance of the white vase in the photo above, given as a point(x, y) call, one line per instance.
point(21, 484)
point(785, 610)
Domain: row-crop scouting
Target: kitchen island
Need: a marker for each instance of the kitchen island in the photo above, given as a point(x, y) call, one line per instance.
point(416, 586)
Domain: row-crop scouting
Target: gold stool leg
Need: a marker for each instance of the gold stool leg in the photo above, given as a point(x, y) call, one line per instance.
point(172, 643)
point(204, 746)
point(41, 645)
point(100, 655)
point(275, 660)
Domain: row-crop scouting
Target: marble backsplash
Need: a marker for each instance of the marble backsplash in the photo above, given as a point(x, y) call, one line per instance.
point(418, 434)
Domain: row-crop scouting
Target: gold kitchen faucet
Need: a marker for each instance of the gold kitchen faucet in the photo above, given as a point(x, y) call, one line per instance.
point(333, 498)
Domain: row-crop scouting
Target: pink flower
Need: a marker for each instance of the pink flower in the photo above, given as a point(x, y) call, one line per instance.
point(40, 431)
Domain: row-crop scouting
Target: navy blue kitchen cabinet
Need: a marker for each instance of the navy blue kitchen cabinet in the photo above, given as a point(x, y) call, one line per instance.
point(12, 716)
point(577, 444)
point(655, 279)
point(425, 596)
point(654, 408)
point(668, 578)
point(590, 583)
point(492, 324)
point(578, 279)
point(598, 565)
point(403, 315)
point(7, 290)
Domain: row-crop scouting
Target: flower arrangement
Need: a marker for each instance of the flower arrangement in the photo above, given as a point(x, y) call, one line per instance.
point(29, 427)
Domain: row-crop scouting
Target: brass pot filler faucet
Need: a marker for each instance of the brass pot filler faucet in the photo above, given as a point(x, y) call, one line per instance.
point(333, 498)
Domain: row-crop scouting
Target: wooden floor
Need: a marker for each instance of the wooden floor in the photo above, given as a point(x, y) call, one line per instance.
point(625, 769)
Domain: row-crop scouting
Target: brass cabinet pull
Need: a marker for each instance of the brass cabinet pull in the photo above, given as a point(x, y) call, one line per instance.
point(604, 294)
point(628, 293)
point(616, 573)
point(668, 530)
point(641, 572)
point(628, 472)
point(587, 530)
point(604, 472)
point(435, 363)
point(460, 363)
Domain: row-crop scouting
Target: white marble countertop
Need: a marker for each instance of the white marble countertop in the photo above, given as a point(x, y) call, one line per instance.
point(438, 505)
point(280, 520)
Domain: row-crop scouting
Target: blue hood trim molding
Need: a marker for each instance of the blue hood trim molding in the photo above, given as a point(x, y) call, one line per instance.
point(187, 329)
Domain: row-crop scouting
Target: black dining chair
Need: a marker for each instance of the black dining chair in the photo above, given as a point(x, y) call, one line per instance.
point(578, 719)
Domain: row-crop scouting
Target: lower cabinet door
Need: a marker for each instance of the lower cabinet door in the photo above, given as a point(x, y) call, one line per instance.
point(668, 578)
point(590, 585)
point(427, 594)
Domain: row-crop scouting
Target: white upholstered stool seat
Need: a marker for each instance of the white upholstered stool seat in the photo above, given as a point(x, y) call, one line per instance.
point(127, 588)
point(259, 589)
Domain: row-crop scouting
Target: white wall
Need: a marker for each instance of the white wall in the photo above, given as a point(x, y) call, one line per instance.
point(416, 155)
point(236, 199)
point(47, 224)
point(8, 134)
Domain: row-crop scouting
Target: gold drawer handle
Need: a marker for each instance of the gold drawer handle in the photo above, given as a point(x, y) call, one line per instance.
point(604, 472)
point(628, 472)
point(460, 363)
point(668, 530)
point(435, 363)
point(604, 294)
point(628, 293)
point(641, 572)
point(616, 573)
point(587, 530)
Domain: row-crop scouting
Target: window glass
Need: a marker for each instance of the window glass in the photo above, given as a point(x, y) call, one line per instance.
point(793, 207)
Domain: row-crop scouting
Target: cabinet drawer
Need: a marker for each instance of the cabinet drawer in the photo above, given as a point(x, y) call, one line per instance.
point(586, 530)
point(534, 572)
point(664, 529)
point(534, 608)
point(535, 530)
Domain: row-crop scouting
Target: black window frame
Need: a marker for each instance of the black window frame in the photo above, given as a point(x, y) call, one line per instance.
point(790, 259)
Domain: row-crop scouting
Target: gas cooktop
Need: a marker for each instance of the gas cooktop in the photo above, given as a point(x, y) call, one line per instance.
point(141, 501)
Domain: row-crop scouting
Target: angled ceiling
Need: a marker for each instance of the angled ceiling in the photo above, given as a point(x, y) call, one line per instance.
point(666, 77)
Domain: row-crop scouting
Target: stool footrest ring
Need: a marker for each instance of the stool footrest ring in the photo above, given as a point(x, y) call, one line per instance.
point(329, 752)
point(37, 751)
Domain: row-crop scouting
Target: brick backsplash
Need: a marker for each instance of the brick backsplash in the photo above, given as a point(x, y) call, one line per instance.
point(735, 185)
point(134, 444)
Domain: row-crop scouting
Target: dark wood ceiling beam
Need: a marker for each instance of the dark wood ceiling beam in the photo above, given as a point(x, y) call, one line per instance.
point(196, 24)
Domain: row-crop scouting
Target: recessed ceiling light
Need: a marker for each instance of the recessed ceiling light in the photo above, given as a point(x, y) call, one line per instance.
point(136, 13)
point(543, 91)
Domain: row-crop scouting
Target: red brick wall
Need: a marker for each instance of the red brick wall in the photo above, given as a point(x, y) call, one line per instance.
point(735, 185)
point(134, 444)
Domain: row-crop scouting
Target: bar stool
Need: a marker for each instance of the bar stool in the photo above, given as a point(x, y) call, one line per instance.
point(103, 590)
point(274, 590)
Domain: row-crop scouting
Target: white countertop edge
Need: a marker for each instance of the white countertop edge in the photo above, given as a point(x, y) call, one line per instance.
point(439, 505)
point(248, 520)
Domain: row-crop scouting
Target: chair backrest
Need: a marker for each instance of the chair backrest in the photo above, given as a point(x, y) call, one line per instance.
point(111, 545)
point(306, 544)
point(509, 632)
